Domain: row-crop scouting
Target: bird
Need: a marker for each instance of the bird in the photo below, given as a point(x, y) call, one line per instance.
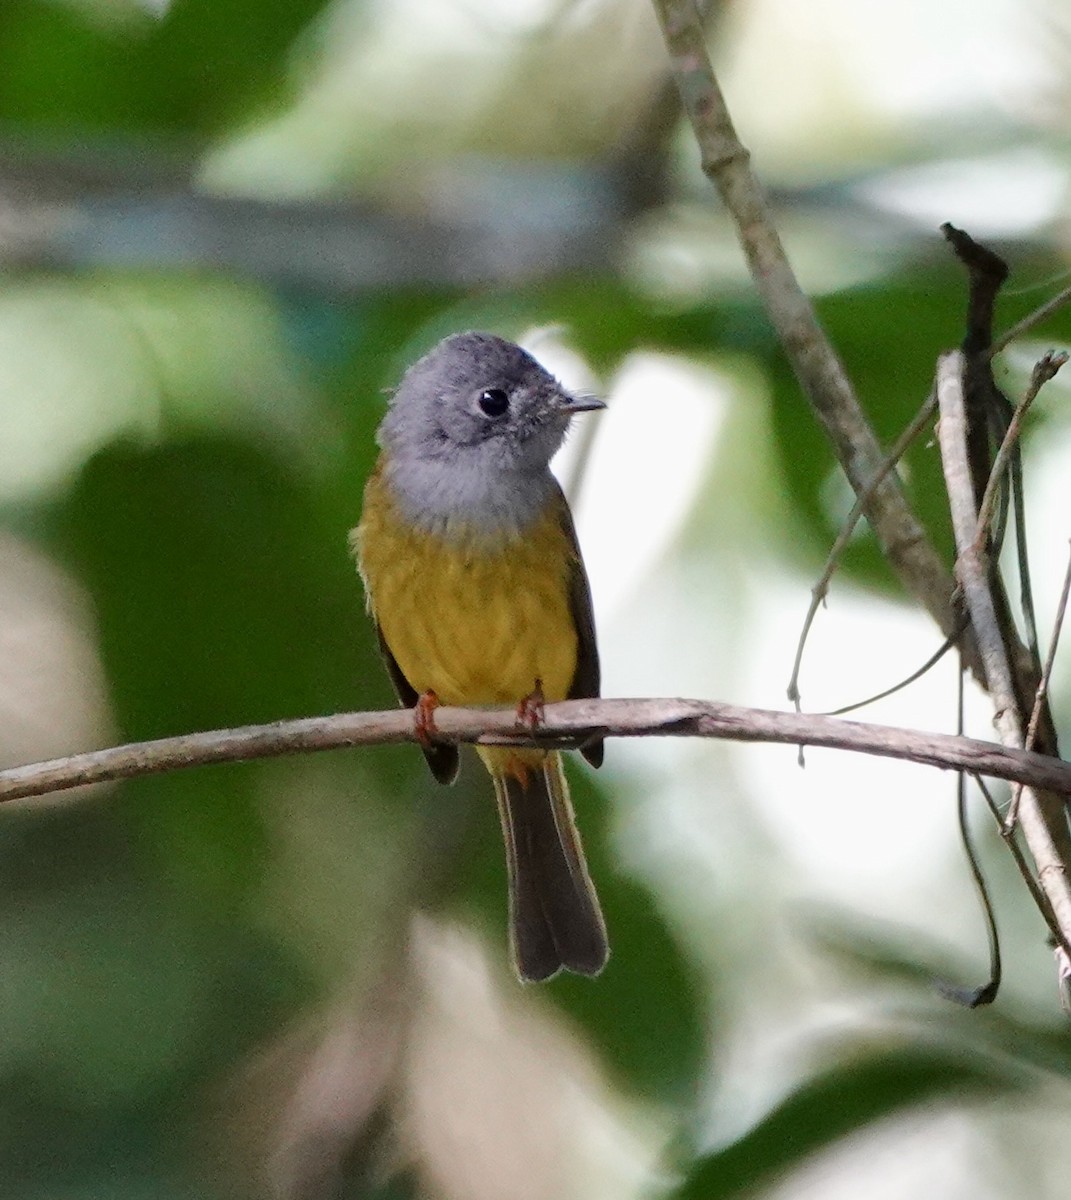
point(477, 590)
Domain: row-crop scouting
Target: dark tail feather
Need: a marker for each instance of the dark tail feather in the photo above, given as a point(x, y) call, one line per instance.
point(555, 919)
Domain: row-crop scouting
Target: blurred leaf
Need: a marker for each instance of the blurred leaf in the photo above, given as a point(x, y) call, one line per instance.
point(838, 1102)
point(221, 596)
point(119, 1000)
point(204, 65)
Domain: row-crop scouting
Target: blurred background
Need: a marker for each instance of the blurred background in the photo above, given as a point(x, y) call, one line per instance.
point(226, 226)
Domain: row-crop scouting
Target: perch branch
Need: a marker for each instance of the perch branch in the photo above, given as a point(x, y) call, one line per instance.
point(565, 725)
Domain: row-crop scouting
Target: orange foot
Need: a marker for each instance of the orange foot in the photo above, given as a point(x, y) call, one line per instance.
point(530, 709)
point(424, 718)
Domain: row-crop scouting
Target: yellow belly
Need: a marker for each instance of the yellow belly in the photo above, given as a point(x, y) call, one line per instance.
point(475, 621)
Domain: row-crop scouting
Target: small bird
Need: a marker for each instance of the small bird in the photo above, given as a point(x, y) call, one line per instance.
point(479, 596)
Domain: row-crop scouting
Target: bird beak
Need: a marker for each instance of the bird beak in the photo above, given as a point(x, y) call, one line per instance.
point(579, 404)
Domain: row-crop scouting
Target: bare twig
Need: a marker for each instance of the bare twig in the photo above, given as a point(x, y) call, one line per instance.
point(1044, 370)
point(566, 725)
point(1042, 815)
point(1028, 322)
point(985, 993)
point(821, 374)
point(900, 684)
point(821, 588)
point(1018, 857)
point(1039, 696)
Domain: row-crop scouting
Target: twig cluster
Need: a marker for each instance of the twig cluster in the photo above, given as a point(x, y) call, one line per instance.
point(974, 614)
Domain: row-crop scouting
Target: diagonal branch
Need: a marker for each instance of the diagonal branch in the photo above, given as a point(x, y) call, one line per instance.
point(819, 370)
point(565, 725)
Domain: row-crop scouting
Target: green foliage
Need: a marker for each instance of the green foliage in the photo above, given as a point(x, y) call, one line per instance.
point(207, 64)
point(232, 552)
point(836, 1103)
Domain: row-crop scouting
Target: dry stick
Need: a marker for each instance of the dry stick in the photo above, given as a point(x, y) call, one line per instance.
point(1009, 461)
point(987, 992)
point(1019, 857)
point(1008, 824)
point(820, 372)
point(821, 588)
point(1044, 370)
point(1022, 558)
point(899, 686)
point(1028, 322)
point(1040, 816)
point(566, 725)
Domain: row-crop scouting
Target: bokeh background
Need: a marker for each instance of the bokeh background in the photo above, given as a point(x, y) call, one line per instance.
point(225, 228)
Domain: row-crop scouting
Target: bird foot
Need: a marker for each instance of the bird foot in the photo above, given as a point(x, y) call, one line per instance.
point(530, 709)
point(424, 718)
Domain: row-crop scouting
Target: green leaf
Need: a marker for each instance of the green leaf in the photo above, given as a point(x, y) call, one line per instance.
point(223, 597)
point(203, 66)
point(839, 1101)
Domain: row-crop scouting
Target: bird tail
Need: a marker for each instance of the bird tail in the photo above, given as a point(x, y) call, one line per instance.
point(555, 918)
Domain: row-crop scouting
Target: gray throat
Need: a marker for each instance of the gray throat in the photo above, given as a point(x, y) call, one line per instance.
point(446, 498)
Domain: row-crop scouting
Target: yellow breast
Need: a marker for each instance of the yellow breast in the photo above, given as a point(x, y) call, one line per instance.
point(476, 620)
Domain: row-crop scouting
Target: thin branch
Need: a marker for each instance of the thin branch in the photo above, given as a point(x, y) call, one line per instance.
point(821, 588)
point(1044, 369)
point(1009, 460)
point(985, 993)
point(821, 374)
point(566, 725)
point(899, 686)
point(1043, 817)
point(1028, 322)
point(1041, 693)
point(1019, 858)
point(1022, 555)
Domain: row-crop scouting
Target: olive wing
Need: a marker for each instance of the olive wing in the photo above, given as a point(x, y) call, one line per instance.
point(586, 678)
point(442, 759)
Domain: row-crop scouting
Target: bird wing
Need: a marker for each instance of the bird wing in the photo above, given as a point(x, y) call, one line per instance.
point(442, 758)
point(586, 677)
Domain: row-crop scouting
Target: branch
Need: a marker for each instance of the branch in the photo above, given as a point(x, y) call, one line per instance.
point(1048, 309)
point(79, 209)
point(565, 726)
point(1044, 369)
point(819, 370)
point(1042, 816)
point(820, 590)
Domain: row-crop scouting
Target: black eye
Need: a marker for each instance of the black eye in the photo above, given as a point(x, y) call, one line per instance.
point(494, 402)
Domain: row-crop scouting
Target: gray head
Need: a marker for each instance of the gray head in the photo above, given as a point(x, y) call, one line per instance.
point(470, 433)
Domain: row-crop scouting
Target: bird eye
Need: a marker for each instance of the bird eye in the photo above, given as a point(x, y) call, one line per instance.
point(493, 402)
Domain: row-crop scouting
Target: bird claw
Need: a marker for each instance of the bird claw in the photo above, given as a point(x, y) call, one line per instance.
point(530, 709)
point(424, 718)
